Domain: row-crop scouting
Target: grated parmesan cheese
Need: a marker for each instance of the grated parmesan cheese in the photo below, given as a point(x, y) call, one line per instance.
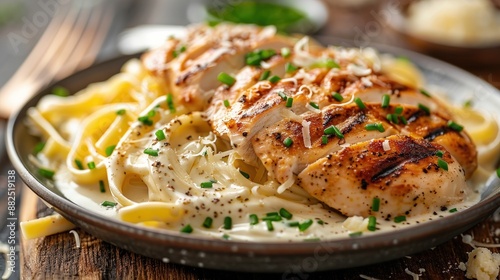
point(483, 264)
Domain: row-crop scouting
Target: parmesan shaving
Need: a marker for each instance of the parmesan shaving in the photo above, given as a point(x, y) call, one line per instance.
point(358, 70)
point(413, 274)
point(306, 135)
point(312, 109)
point(292, 80)
point(77, 237)
point(286, 185)
point(302, 56)
point(386, 145)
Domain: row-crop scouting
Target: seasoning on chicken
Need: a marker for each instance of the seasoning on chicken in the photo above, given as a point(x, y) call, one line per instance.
point(329, 117)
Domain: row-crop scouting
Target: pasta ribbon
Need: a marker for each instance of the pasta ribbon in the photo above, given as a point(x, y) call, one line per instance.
point(151, 211)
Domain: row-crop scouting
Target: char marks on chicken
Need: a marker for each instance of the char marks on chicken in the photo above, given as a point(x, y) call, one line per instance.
point(317, 115)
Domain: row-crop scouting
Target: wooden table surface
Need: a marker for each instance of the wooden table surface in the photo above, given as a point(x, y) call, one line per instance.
point(56, 256)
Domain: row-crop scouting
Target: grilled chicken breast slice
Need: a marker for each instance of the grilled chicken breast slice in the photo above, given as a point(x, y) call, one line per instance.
point(283, 161)
point(191, 66)
point(401, 171)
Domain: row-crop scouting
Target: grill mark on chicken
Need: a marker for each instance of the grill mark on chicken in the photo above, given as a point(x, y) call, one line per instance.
point(410, 152)
point(258, 121)
point(436, 133)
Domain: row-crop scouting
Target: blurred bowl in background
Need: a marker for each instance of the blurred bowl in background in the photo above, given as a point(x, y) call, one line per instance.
point(448, 35)
point(291, 16)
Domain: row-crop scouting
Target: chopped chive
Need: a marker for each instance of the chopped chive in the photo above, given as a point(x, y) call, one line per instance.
point(305, 225)
point(107, 203)
point(324, 139)
point(327, 63)
point(264, 75)
point(187, 229)
point(208, 222)
point(121, 112)
point(101, 186)
point(356, 234)
point(314, 105)
point(468, 103)
point(403, 120)
point(226, 103)
point(333, 130)
point(375, 126)
point(442, 164)
point(293, 224)
point(274, 79)
point(285, 214)
point(290, 68)
point(288, 142)
point(269, 225)
point(38, 148)
point(206, 185)
point(252, 59)
point(386, 98)
point(109, 150)
point(337, 96)
point(170, 103)
point(455, 126)
point(282, 95)
point(226, 236)
point(160, 135)
point(321, 222)
point(91, 165)
point(225, 78)
point(372, 223)
point(424, 108)
point(376, 204)
point(424, 92)
point(151, 113)
point(270, 214)
point(47, 173)
point(253, 219)
point(145, 120)
point(392, 118)
point(265, 54)
point(228, 223)
point(289, 102)
point(453, 210)
point(398, 110)
point(285, 52)
point(246, 175)
point(255, 57)
point(60, 91)
point(79, 164)
point(498, 172)
point(274, 218)
point(399, 219)
point(360, 103)
point(151, 152)
point(439, 153)
point(178, 51)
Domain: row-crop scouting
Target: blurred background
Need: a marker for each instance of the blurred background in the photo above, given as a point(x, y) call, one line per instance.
point(46, 40)
point(71, 34)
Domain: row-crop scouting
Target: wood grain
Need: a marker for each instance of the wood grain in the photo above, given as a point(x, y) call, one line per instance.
point(58, 257)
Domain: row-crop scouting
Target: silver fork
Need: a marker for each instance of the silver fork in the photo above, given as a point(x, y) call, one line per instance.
point(70, 42)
